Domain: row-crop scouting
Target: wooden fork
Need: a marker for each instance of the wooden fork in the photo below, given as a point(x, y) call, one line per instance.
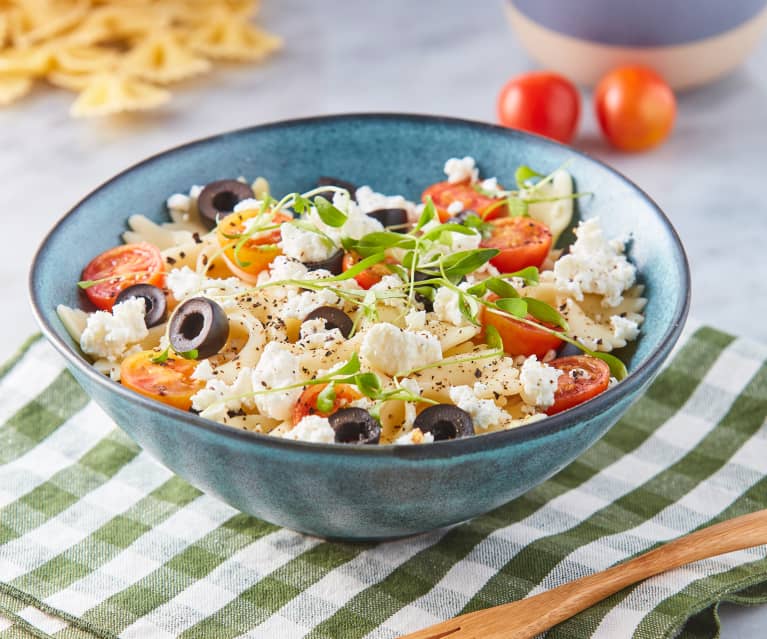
point(527, 617)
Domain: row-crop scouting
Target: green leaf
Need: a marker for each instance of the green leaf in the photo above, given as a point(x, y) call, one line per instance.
point(493, 338)
point(368, 384)
point(83, 284)
point(444, 228)
point(427, 291)
point(191, 354)
point(514, 306)
point(379, 241)
point(360, 266)
point(328, 213)
point(427, 215)
point(326, 400)
point(352, 367)
point(617, 368)
point(523, 174)
point(545, 313)
point(162, 357)
point(529, 274)
point(301, 204)
point(466, 310)
point(517, 207)
point(478, 224)
point(501, 287)
point(478, 289)
point(464, 262)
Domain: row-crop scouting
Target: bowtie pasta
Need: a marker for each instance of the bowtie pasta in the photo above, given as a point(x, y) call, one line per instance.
point(118, 56)
point(345, 315)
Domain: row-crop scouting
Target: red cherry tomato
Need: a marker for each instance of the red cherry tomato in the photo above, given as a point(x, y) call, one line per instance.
point(635, 108)
point(169, 382)
point(369, 276)
point(582, 378)
point(519, 338)
point(522, 241)
point(540, 102)
point(307, 403)
point(443, 194)
point(121, 267)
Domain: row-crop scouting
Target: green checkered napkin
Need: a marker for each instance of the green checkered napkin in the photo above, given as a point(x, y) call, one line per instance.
point(99, 540)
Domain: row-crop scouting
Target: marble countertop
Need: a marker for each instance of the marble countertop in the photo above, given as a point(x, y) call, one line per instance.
point(448, 58)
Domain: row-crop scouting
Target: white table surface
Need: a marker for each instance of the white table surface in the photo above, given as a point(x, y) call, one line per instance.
point(447, 58)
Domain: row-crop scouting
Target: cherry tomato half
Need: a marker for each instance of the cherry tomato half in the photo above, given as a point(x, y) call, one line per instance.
point(582, 378)
point(522, 242)
point(121, 267)
point(443, 194)
point(369, 276)
point(635, 108)
point(518, 337)
point(169, 382)
point(540, 102)
point(307, 403)
point(257, 252)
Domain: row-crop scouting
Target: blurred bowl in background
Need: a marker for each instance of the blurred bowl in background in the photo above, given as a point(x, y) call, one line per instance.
point(690, 43)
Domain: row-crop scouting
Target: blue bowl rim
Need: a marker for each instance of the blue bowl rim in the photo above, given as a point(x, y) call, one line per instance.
point(437, 450)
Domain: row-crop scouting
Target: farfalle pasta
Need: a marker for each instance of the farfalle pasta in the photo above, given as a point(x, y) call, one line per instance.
point(114, 53)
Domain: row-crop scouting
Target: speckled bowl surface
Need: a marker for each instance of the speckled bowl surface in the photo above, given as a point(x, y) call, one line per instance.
point(344, 491)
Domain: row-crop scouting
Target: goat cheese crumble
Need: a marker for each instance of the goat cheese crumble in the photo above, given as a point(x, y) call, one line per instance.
point(108, 335)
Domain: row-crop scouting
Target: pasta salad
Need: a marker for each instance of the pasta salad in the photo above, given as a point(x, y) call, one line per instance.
point(342, 315)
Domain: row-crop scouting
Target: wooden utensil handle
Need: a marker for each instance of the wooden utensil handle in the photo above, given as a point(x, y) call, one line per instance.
point(527, 617)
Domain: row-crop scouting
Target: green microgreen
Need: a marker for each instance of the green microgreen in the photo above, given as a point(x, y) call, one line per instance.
point(163, 357)
point(326, 400)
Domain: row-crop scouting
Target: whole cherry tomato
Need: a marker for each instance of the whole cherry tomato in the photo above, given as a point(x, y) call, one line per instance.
point(540, 102)
point(635, 108)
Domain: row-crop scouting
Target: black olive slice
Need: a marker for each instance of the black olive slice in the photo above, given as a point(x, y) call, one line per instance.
point(334, 318)
point(199, 324)
point(355, 426)
point(334, 263)
point(219, 198)
point(396, 218)
point(155, 304)
point(445, 421)
point(331, 181)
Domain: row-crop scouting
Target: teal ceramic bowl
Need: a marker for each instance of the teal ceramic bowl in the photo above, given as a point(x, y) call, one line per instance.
point(362, 492)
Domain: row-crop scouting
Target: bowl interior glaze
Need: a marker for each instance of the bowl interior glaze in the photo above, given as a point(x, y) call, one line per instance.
point(393, 154)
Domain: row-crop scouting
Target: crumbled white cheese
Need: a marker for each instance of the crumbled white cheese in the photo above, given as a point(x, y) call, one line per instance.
point(368, 200)
point(299, 306)
point(218, 398)
point(357, 223)
point(539, 382)
point(108, 335)
point(389, 290)
point(203, 371)
point(415, 320)
point(303, 245)
point(314, 335)
point(283, 268)
point(277, 368)
point(461, 170)
point(414, 436)
point(624, 328)
point(183, 281)
point(490, 185)
point(446, 306)
point(454, 208)
point(484, 413)
point(594, 265)
point(312, 428)
point(179, 202)
point(391, 350)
